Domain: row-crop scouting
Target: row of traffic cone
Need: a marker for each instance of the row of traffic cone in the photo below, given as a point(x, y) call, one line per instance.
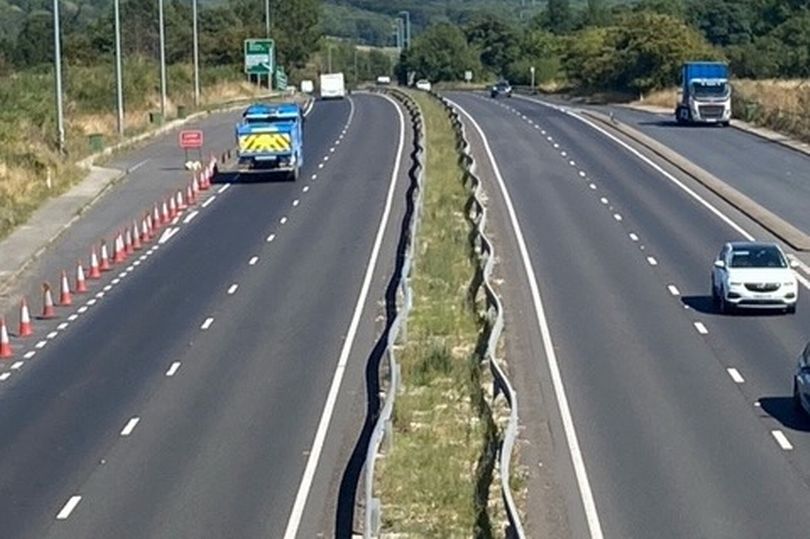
point(131, 239)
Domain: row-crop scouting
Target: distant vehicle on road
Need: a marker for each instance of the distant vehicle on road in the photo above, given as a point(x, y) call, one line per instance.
point(801, 382)
point(270, 137)
point(307, 86)
point(500, 88)
point(333, 86)
point(705, 94)
point(383, 80)
point(753, 275)
point(423, 84)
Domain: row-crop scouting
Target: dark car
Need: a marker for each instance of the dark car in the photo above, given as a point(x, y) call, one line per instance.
point(501, 88)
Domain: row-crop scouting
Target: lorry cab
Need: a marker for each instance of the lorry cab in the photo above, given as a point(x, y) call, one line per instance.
point(270, 137)
point(705, 93)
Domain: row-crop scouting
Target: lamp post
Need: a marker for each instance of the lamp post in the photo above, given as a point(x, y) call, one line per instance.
point(57, 60)
point(119, 86)
point(162, 63)
point(407, 33)
point(196, 55)
point(531, 69)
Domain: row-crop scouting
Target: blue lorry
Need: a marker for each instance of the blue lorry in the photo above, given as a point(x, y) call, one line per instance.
point(270, 138)
point(705, 94)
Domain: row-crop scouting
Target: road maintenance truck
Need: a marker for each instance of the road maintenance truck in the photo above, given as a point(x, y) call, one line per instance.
point(705, 94)
point(270, 138)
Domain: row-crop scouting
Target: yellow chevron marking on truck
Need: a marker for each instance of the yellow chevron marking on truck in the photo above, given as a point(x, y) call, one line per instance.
point(265, 142)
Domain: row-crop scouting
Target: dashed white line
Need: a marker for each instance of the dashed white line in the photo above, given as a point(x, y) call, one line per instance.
point(100, 295)
point(17, 365)
point(62, 326)
point(617, 216)
point(68, 508)
point(232, 289)
point(782, 440)
point(283, 220)
point(91, 301)
point(735, 375)
point(305, 189)
point(332, 149)
point(592, 186)
point(296, 202)
point(52, 334)
point(115, 281)
point(107, 288)
point(271, 237)
point(166, 236)
point(314, 177)
point(30, 354)
point(572, 163)
point(207, 324)
point(209, 201)
point(191, 216)
point(82, 309)
point(700, 328)
point(582, 173)
point(122, 274)
point(253, 260)
point(74, 316)
point(603, 200)
point(633, 236)
point(41, 344)
point(137, 263)
point(673, 290)
point(556, 146)
point(564, 153)
point(223, 188)
point(320, 165)
point(130, 426)
point(173, 369)
point(652, 261)
point(131, 268)
point(5, 376)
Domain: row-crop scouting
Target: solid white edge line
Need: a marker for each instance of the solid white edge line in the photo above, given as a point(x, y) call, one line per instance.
point(329, 407)
point(130, 426)
point(586, 494)
point(782, 440)
point(68, 508)
point(735, 375)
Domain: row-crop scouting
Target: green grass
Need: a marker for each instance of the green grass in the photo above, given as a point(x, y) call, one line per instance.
point(434, 482)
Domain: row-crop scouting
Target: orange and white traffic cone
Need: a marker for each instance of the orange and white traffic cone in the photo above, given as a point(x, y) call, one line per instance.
point(5, 342)
point(64, 291)
point(128, 248)
point(105, 257)
point(136, 238)
point(95, 269)
point(181, 204)
point(26, 329)
point(191, 198)
point(157, 220)
point(47, 302)
point(118, 250)
point(202, 178)
point(145, 235)
point(81, 283)
point(164, 214)
point(172, 208)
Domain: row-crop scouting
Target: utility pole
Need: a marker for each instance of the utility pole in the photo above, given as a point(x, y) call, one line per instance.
point(329, 47)
point(400, 35)
point(162, 64)
point(407, 33)
point(196, 55)
point(532, 71)
point(267, 18)
point(119, 86)
point(356, 77)
point(57, 53)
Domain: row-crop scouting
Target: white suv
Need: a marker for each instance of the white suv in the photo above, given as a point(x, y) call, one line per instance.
point(753, 275)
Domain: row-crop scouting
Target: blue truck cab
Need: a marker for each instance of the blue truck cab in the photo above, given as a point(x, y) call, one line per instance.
point(270, 137)
point(705, 93)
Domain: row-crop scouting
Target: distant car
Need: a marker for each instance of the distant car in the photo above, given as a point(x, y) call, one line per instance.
point(753, 275)
point(423, 84)
point(801, 382)
point(501, 88)
point(383, 80)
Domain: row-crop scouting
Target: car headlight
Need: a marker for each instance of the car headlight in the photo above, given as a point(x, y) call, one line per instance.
point(790, 284)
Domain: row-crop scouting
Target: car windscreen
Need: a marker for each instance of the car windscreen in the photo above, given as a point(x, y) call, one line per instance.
point(709, 90)
point(757, 257)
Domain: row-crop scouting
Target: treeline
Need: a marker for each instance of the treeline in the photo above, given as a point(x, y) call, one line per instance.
point(87, 40)
point(630, 47)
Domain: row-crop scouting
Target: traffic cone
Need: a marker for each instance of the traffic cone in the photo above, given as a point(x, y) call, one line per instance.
point(136, 238)
point(95, 269)
point(64, 291)
point(81, 284)
point(26, 329)
point(202, 178)
point(47, 302)
point(105, 257)
point(128, 247)
point(145, 236)
point(181, 203)
point(164, 216)
point(118, 250)
point(156, 218)
point(172, 208)
point(191, 198)
point(5, 343)
point(195, 185)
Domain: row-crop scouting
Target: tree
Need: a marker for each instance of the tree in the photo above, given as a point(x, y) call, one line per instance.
point(558, 16)
point(498, 43)
point(597, 13)
point(724, 22)
point(440, 53)
point(296, 29)
point(35, 42)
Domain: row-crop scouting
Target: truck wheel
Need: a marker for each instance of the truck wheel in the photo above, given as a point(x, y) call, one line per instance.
point(725, 124)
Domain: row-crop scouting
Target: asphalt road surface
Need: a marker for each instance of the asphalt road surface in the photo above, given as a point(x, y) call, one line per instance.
point(683, 415)
point(185, 402)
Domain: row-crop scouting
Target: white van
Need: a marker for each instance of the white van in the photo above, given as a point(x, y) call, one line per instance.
point(333, 86)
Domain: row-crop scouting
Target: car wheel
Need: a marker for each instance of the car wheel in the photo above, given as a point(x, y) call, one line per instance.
point(725, 308)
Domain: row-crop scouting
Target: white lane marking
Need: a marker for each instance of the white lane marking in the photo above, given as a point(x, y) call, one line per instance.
point(305, 189)
point(173, 369)
point(652, 261)
point(735, 375)
point(564, 153)
point(603, 200)
point(30, 354)
point(320, 165)
point(332, 149)
point(314, 177)
point(782, 440)
point(329, 407)
point(232, 289)
point(253, 260)
point(633, 236)
point(191, 216)
point(592, 186)
point(166, 236)
point(296, 202)
point(586, 494)
point(673, 290)
point(209, 201)
point(82, 309)
point(617, 216)
point(326, 158)
point(137, 165)
point(122, 274)
point(68, 507)
point(52, 334)
point(62, 326)
point(5, 376)
point(40, 344)
point(223, 188)
point(207, 324)
point(582, 173)
point(701, 328)
point(115, 281)
point(556, 145)
point(130, 426)
point(572, 163)
point(142, 258)
point(283, 220)
point(130, 268)
point(17, 365)
point(271, 237)
point(549, 138)
point(91, 302)
point(107, 288)
point(100, 295)
point(74, 316)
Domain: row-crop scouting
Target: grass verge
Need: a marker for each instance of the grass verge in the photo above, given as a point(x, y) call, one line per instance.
point(435, 480)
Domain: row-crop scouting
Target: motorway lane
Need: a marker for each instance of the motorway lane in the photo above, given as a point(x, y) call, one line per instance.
point(771, 174)
point(672, 447)
point(214, 453)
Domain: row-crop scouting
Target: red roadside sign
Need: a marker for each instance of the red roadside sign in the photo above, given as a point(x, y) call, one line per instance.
point(191, 139)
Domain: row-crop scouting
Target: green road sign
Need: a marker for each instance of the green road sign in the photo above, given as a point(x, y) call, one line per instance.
point(259, 56)
point(281, 78)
